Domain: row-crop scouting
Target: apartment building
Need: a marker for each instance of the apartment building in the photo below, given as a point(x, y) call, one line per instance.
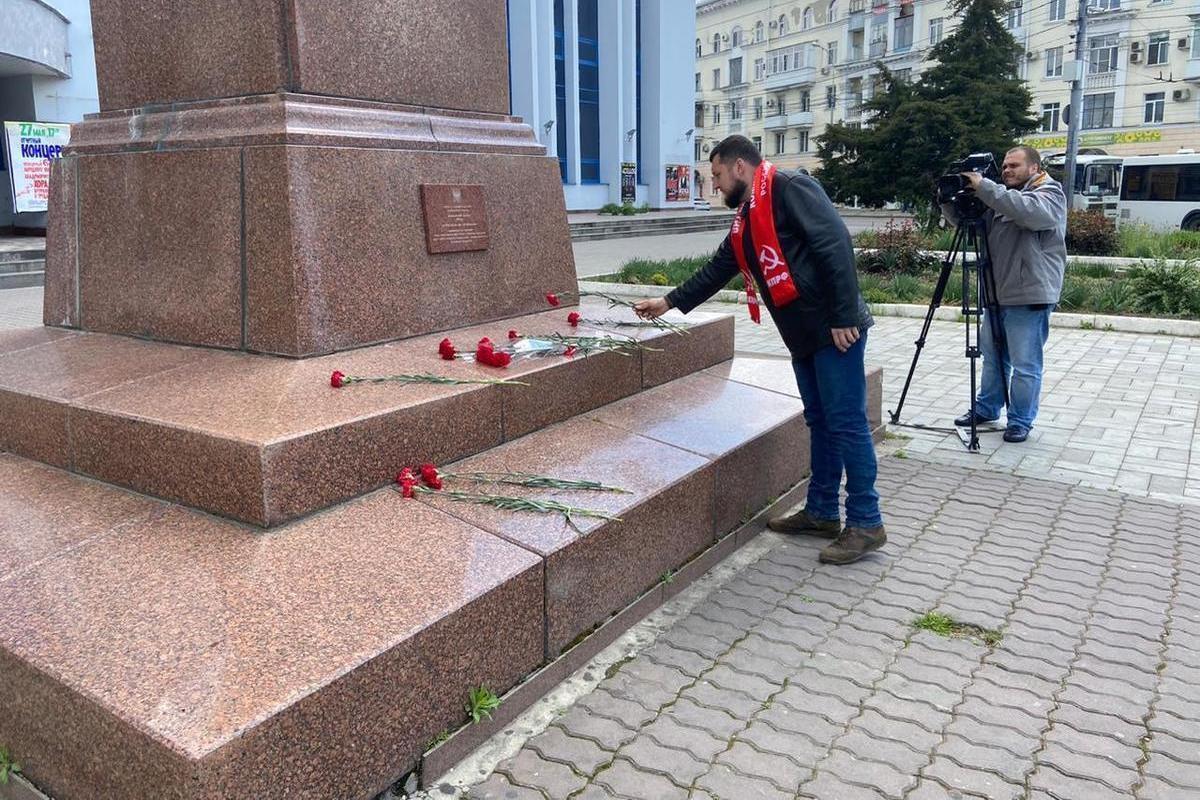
point(780, 71)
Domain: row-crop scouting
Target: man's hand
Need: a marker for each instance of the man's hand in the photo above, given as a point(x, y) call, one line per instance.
point(651, 309)
point(973, 178)
point(844, 338)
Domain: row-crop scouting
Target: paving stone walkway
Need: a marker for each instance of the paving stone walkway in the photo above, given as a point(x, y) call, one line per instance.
point(796, 680)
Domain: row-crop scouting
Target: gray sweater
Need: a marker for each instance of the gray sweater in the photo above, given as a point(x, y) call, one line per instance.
point(1027, 231)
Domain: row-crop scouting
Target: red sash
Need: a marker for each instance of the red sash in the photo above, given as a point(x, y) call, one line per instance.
point(776, 274)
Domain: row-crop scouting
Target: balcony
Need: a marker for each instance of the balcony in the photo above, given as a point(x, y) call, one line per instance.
point(1191, 71)
point(878, 48)
point(33, 38)
point(805, 76)
point(736, 126)
point(735, 88)
point(1100, 80)
point(800, 119)
point(857, 20)
point(776, 122)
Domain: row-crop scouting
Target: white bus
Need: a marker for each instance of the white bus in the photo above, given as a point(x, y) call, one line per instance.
point(1161, 191)
point(1097, 180)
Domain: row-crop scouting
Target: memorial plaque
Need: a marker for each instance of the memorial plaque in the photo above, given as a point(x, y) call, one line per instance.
point(455, 218)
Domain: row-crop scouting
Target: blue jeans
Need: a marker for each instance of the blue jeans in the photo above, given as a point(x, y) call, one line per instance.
point(834, 388)
point(1025, 330)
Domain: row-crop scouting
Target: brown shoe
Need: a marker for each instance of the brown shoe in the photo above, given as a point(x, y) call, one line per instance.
point(804, 523)
point(852, 544)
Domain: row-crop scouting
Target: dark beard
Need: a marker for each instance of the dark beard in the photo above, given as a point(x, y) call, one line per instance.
point(737, 196)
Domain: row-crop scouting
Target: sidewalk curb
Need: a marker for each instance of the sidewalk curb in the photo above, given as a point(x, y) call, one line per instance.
point(1059, 319)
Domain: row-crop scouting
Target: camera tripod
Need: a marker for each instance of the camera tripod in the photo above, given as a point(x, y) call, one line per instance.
point(978, 295)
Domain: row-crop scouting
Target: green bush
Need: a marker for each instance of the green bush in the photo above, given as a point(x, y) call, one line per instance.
point(660, 279)
point(1114, 297)
point(610, 208)
point(1090, 271)
point(908, 288)
point(1167, 291)
point(1142, 241)
point(1075, 294)
point(953, 294)
point(1090, 233)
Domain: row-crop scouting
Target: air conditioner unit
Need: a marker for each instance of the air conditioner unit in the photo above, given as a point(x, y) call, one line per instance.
point(770, 104)
point(1032, 55)
point(824, 70)
point(1135, 47)
point(1135, 58)
point(1181, 95)
point(1182, 44)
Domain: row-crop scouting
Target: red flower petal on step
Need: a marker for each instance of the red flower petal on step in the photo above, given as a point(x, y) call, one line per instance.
point(573, 319)
point(337, 380)
point(501, 359)
point(428, 472)
point(552, 298)
point(514, 335)
point(570, 352)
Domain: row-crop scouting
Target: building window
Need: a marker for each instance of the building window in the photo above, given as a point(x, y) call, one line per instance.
point(716, 113)
point(1058, 10)
point(698, 120)
point(717, 78)
point(831, 14)
point(1155, 104)
point(1098, 110)
point(1102, 54)
point(699, 48)
point(735, 38)
point(696, 149)
point(1054, 62)
point(782, 24)
point(757, 140)
point(589, 91)
point(735, 110)
point(830, 97)
point(805, 100)
point(1196, 40)
point(935, 30)
point(560, 88)
point(903, 75)
point(781, 104)
point(1159, 52)
point(758, 108)
point(1015, 16)
point(735, 71)
point(807, 19)
point(1051, 115)
point(780, 143)
point(803, 141)
point(1104, 5)
point(760, 69)
point(697, 81)
point(831, 54)
point(904, 28)
point(758, 31)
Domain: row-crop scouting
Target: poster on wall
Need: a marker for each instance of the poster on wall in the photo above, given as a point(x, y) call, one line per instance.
point(679, 183)
point(628, 182)
point(30, 147)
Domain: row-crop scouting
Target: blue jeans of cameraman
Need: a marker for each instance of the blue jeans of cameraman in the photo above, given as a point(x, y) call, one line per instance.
point(1020, 368)
point(834, 389)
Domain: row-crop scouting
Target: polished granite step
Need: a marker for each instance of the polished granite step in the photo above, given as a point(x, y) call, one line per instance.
point(264, 439)
point(152, 650)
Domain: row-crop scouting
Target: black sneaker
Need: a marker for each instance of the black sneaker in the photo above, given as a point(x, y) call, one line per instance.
point(965, 420)
point(852, 544)
point(1015, 434)
point(804, 523)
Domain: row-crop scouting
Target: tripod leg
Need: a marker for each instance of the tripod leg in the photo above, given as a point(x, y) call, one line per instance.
point(939, 292)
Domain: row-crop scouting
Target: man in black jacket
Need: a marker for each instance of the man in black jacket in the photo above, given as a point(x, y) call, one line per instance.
point(790, 244)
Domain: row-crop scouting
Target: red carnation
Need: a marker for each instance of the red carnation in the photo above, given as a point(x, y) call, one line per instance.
point(569, 352)
point(514, 335)
point(552, 298)
point(428, 472)
point(446, 350)
point(501, 359)
point(573, 319)
point(485, 341)
point(337, 380)
point(407, 481)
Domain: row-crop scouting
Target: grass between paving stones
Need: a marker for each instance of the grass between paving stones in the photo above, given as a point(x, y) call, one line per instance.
point(1088, 288)
point(943, 625)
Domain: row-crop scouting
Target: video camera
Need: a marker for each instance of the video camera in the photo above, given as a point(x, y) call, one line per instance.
point(953, 188)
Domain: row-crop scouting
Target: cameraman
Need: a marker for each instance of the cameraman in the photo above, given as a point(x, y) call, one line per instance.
point(1026, 236)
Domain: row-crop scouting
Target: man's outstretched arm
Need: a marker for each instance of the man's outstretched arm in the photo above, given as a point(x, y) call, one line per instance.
point(706, 282)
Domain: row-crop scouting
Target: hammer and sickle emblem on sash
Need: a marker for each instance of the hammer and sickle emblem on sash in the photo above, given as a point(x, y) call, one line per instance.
point(769, 259)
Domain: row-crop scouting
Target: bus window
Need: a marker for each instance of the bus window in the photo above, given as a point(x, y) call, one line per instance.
point(1189, 183)
point(1133, 183)
point(1163, 181)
